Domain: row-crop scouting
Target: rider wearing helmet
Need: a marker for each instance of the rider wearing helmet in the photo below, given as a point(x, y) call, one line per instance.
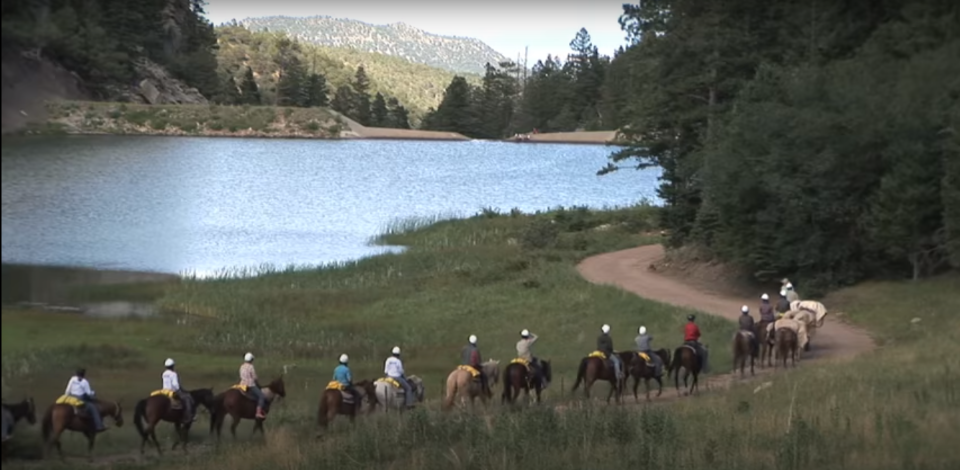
point(766, 310)
point(79, 387)
point(525, 352)
point(747, 324)
point(248, 378)
point(393, 367)
point(644, 341)
point(171, 381)
point(342, 374)
point(605, 345)
point(783, 305)
point(470, 356)
point(691, 336)
point(792, 295)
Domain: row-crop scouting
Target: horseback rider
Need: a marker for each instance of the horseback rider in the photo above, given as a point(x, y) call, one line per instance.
point(470, 356)
point(248, 378)
point(783, 305)
point(691, 336)
point(643, 345)
point(605, 345)
point(78, 387)
point(393, 367)
point(766, 310)
point(171, 381)
point(342, 375)
point(525, 352)
point(792, 295)
point(747, 324)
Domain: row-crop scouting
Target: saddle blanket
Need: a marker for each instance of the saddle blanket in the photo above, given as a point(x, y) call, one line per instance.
point(474, 372)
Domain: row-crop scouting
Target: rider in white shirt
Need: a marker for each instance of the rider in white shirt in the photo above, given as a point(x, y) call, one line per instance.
point(171, 381)
point(79, 388)
point(393, 367)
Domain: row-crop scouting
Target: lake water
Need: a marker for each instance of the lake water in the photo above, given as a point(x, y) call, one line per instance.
point(199, 205)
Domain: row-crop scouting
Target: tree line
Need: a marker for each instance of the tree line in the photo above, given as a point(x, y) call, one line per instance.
point(817, 139)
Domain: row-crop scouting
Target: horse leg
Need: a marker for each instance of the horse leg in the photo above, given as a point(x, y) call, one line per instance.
point(91, 438)
point(659, 385)
point(152, 433)
point(695, 386)
point(233, 426)
point(538, 390)
point(257, 426)
point(636, 384)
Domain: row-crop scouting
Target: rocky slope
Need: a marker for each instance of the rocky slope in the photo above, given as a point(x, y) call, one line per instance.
point(458, 54)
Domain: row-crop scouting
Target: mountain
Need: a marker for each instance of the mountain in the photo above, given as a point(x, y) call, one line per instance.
point(457, 54)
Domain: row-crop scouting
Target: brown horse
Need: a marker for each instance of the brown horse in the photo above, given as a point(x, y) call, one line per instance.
point(159, 408)
point(23, 410)
point(462, 383)
point(594, 368)
point(333, 402)
point(61, 417)
point(639, 368)
point(686, 358)
point(517, 377)
point(743, 348)
point(766, 344)
point(240, 405)
point(787, 344)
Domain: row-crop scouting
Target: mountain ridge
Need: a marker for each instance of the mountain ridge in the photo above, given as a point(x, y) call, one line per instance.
point(460, 54)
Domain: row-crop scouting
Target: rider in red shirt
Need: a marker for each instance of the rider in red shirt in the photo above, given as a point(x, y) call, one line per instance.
point(691, 334)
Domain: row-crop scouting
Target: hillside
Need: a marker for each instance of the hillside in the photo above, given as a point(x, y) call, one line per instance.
point(417, 87)
point(457, 54)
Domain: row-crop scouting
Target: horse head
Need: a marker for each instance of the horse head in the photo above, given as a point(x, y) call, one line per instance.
point(277, 387)
point(23, 410)
point(417, 384)
point(491, 369)
point(116, 413)
point(546, 370)
point(203, 396)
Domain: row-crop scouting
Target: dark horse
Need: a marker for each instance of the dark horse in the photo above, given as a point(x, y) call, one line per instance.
point(23, 410)
point(639, 368)
point(62, 417)
point(594, 368)
point(786, 344)
point(517, 378)
point(766, 343)
point(687, 359)
point(239, 406)
point(160, 408)
point(743, 348)
point(332, 403)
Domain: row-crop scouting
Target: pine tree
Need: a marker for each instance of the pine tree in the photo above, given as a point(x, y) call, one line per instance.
point(292, 86)
point(343, 101)
point(249, 90)
point(317, 91)
point(398, 117)
point(379, 112)
point(361, 91)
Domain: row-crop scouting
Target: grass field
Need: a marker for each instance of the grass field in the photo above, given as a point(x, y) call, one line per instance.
point(493, 275)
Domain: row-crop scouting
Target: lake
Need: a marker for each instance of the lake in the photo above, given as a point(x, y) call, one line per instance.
point(200, 205)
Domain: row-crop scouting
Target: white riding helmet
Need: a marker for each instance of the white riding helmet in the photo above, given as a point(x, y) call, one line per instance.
point(396, 350)
point(473, 339)
point(744, 309)
point(344, 358)
point(605, 328)
point(168, 363)
point(525, 333)
point(783, 293)
point(764, 297)
point(248, 357)
point(789, 285)
point(642, 330)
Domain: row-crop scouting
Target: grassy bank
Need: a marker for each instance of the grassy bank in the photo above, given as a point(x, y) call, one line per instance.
point(493, 275)
point(84, 117)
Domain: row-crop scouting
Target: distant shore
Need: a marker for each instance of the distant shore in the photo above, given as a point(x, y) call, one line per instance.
point(100, 118)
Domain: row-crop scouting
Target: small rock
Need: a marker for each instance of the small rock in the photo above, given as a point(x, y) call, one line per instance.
point(762, 387)
point(915, 320)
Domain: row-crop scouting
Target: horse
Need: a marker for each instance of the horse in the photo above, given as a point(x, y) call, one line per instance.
point(388, 394)
point(17, 411)
point(64, 417)
point(742, 349)
point(462, 382)
point(593, 368)
point(333, 401)
point(518, 377)
point(786, 343)
point(685, 357)
point(639, 368)
point(239, 405)
point(160, 407)
point(766, 343)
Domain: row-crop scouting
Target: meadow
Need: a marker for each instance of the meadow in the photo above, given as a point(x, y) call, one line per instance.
point(493, 275)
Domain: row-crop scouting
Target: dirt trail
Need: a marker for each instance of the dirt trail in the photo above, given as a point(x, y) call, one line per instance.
point(628, 269)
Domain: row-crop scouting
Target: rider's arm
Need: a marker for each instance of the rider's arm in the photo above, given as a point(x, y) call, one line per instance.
point(85, 386)
point(533, 338)
point(175, 381)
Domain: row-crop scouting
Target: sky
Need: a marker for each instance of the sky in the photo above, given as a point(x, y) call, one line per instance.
point(547, 27)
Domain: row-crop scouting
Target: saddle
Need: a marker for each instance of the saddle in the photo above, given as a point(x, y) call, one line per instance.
point(525, 363)
point(390, 381)
point(344, 393)
point(646, 357)
point(79, 408)
point(249, 396)
point(599, 354)
point(692, 347)
point(472, 370)
point(175, 402)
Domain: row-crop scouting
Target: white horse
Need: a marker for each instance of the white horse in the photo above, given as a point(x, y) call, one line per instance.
point(816, 308)
point(391, 396)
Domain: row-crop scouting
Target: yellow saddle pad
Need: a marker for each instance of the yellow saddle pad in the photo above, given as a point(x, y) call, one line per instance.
point(242, 388)
point(599, 354)
point(334, 385)
point(644, 356)
point(164, 392)
point(70, 400)
point(389, 381)
point(524, 362)
point(473, 372)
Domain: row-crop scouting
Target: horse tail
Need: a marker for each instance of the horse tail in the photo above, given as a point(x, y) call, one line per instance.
point(581, 373)
point(677, 362)
point(451, 391)
point(322, 410)
point(46, 426)
point(138, 413)
point(216, 409)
